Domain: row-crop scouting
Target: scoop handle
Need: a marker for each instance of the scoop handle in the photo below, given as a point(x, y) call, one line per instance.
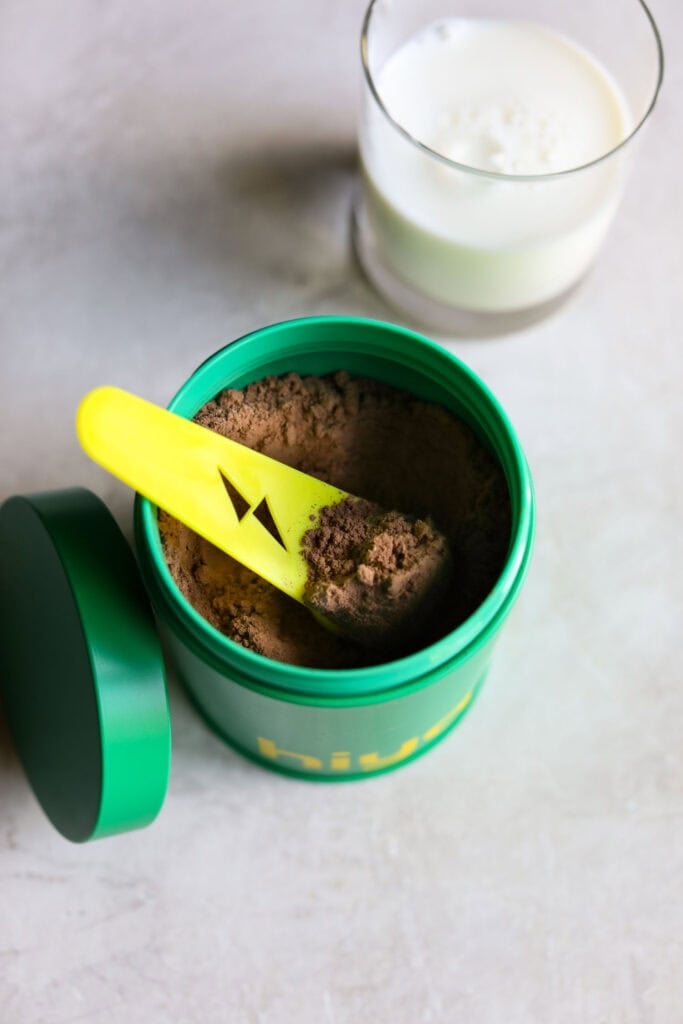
point(220, 489)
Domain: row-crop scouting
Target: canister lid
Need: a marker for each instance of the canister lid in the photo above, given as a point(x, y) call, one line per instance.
point(81, 673)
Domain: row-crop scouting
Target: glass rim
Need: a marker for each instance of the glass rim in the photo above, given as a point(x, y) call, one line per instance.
point(500, 175)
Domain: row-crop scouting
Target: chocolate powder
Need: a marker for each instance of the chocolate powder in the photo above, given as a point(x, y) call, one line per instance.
point(375, 575)
point(372, 440)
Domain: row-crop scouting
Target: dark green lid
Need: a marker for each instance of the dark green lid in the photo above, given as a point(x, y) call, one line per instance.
point(81, 673)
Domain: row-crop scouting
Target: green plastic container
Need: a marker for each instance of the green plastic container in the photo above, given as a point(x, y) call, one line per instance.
point(341, 724)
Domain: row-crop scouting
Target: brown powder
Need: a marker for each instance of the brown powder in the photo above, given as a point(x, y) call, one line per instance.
point(375, 575)
point(369, 439)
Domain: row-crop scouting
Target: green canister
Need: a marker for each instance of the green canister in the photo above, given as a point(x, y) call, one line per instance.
point(346, 723)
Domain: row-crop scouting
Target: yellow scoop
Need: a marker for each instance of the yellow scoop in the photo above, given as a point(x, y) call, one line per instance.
point(249, 505)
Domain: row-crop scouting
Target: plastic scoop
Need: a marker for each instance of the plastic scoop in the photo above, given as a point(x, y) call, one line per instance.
point(392, 568)
point(254, 508)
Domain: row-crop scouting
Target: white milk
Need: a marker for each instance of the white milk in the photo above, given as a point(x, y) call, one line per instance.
point(507, 97)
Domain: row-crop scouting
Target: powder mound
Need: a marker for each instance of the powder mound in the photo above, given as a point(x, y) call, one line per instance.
point(369, 439)
point(375, 575)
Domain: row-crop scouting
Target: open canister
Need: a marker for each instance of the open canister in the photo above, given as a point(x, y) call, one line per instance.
point(81, 670)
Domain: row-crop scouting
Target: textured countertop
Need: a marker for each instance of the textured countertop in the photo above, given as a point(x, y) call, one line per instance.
point(173, 175)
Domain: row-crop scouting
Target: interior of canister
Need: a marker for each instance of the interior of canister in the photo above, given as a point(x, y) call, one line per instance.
point(405, 360)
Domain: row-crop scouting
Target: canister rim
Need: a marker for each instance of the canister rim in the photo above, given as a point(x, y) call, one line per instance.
point(254, 355)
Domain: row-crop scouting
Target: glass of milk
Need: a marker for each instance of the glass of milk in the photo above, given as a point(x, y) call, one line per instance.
point(494, 142)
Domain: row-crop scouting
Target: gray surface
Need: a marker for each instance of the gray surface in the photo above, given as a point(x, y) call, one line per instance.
point(173, 175)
